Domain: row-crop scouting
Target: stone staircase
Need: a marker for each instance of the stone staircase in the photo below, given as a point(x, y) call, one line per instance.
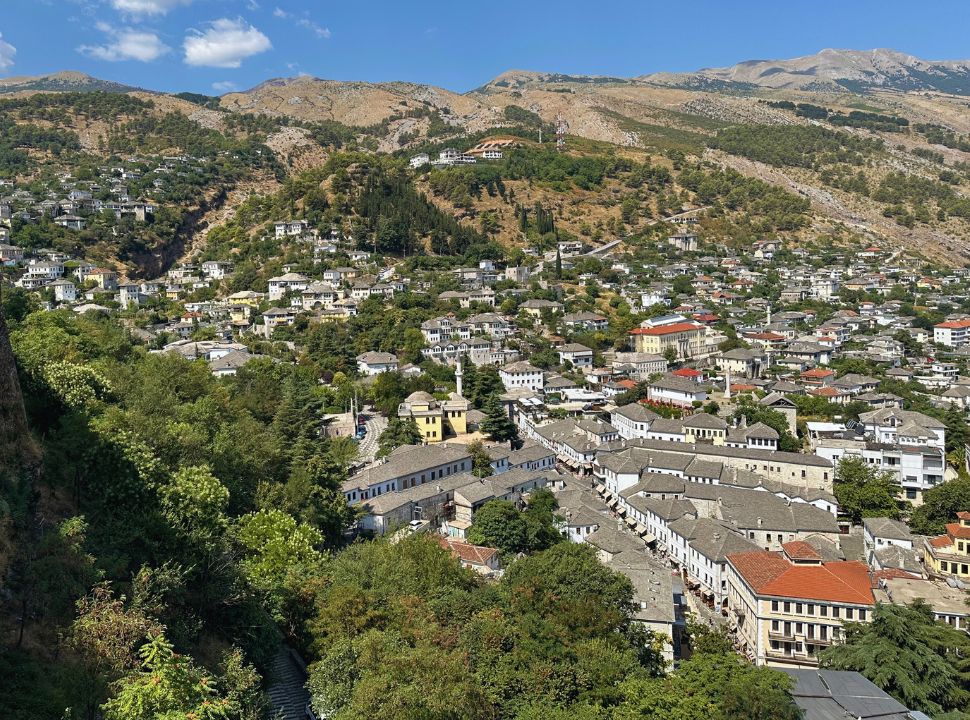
point(288, 695)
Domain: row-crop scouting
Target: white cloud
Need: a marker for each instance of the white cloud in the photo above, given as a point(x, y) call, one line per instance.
point(304, 22)
point(126, 44)
point(318, 30)
point(225, 44)
point(147, 7)
point(7, 51)
point(224, 87)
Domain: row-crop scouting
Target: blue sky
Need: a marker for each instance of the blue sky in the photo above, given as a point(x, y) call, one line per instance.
point(213, 46)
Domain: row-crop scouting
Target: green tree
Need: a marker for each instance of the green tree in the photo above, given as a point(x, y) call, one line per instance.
point(863, 491)
point(683, 285)
point(497, 424)
point(940, 506)
point(277, 547)
point(171, 686)
point(499, 524)
point(919, 661)
point(481, 461)
point(399, 431)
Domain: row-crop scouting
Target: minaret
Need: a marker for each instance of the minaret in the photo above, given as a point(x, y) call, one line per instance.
point(768, 321)
point(727, 383)
point(458, 376)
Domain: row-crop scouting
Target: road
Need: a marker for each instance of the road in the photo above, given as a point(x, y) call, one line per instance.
point(375, 424)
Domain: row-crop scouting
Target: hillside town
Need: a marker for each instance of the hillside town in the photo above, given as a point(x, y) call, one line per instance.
point(698, 452)
point(561, 397)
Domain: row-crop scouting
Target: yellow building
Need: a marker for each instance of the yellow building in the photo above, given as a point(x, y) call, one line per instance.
point(435, 419)
point(949, 554)
point(240, 313)
point(685, 338)
point(246, 297)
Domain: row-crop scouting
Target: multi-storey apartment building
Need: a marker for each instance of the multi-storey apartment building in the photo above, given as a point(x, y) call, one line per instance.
point(786, 607)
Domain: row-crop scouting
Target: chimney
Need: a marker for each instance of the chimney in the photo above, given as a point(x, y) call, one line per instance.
point(760, 522)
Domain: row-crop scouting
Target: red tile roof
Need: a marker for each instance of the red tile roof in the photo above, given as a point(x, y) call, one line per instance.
point(687, 373)
point(941, 541)
point(801, 550)
point(817, 373)
point(666, 329)
point(770, 573)
point(963, 515)
point(466, 552)
point(954, 324)
point(825, 392)
point(958, 531)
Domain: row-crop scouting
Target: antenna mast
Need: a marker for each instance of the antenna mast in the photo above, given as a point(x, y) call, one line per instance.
point(561, 128)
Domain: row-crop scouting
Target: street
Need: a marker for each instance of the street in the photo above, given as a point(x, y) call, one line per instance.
point(375, 424)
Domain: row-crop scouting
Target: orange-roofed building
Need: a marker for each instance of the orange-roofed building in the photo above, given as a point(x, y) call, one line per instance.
point(689, 373)
point(817, 376)
point(788, 606)
point(952, 333)
point(481, 559)
point(687, 339)
point(949, 554)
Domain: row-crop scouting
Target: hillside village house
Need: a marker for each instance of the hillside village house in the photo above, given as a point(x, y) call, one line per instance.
point(375, 363)
point(786, 607)
point(948, 555)
point(290, 282)
point(632, 421)
point(952, 333)
point(521, 374)
point(579, 356)
point(673, 390)
point(282, 228)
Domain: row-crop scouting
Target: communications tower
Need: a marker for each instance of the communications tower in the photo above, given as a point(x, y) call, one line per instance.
point(562, 127)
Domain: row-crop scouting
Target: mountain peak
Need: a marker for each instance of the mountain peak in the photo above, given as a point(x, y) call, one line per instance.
point(62, 81)
point(833, 69)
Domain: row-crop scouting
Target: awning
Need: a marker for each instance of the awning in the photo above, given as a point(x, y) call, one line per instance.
point(631, 521)
point(647, 537)
point(612, 503)
point(601, 489)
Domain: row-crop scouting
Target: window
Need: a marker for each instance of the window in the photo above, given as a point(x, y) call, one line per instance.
point(798, 608)
point(810, 609)
point(849, 614)
point(774, 606)
point(823, 610)
point(787, 607)
point(862, 614)
point(835, 611)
